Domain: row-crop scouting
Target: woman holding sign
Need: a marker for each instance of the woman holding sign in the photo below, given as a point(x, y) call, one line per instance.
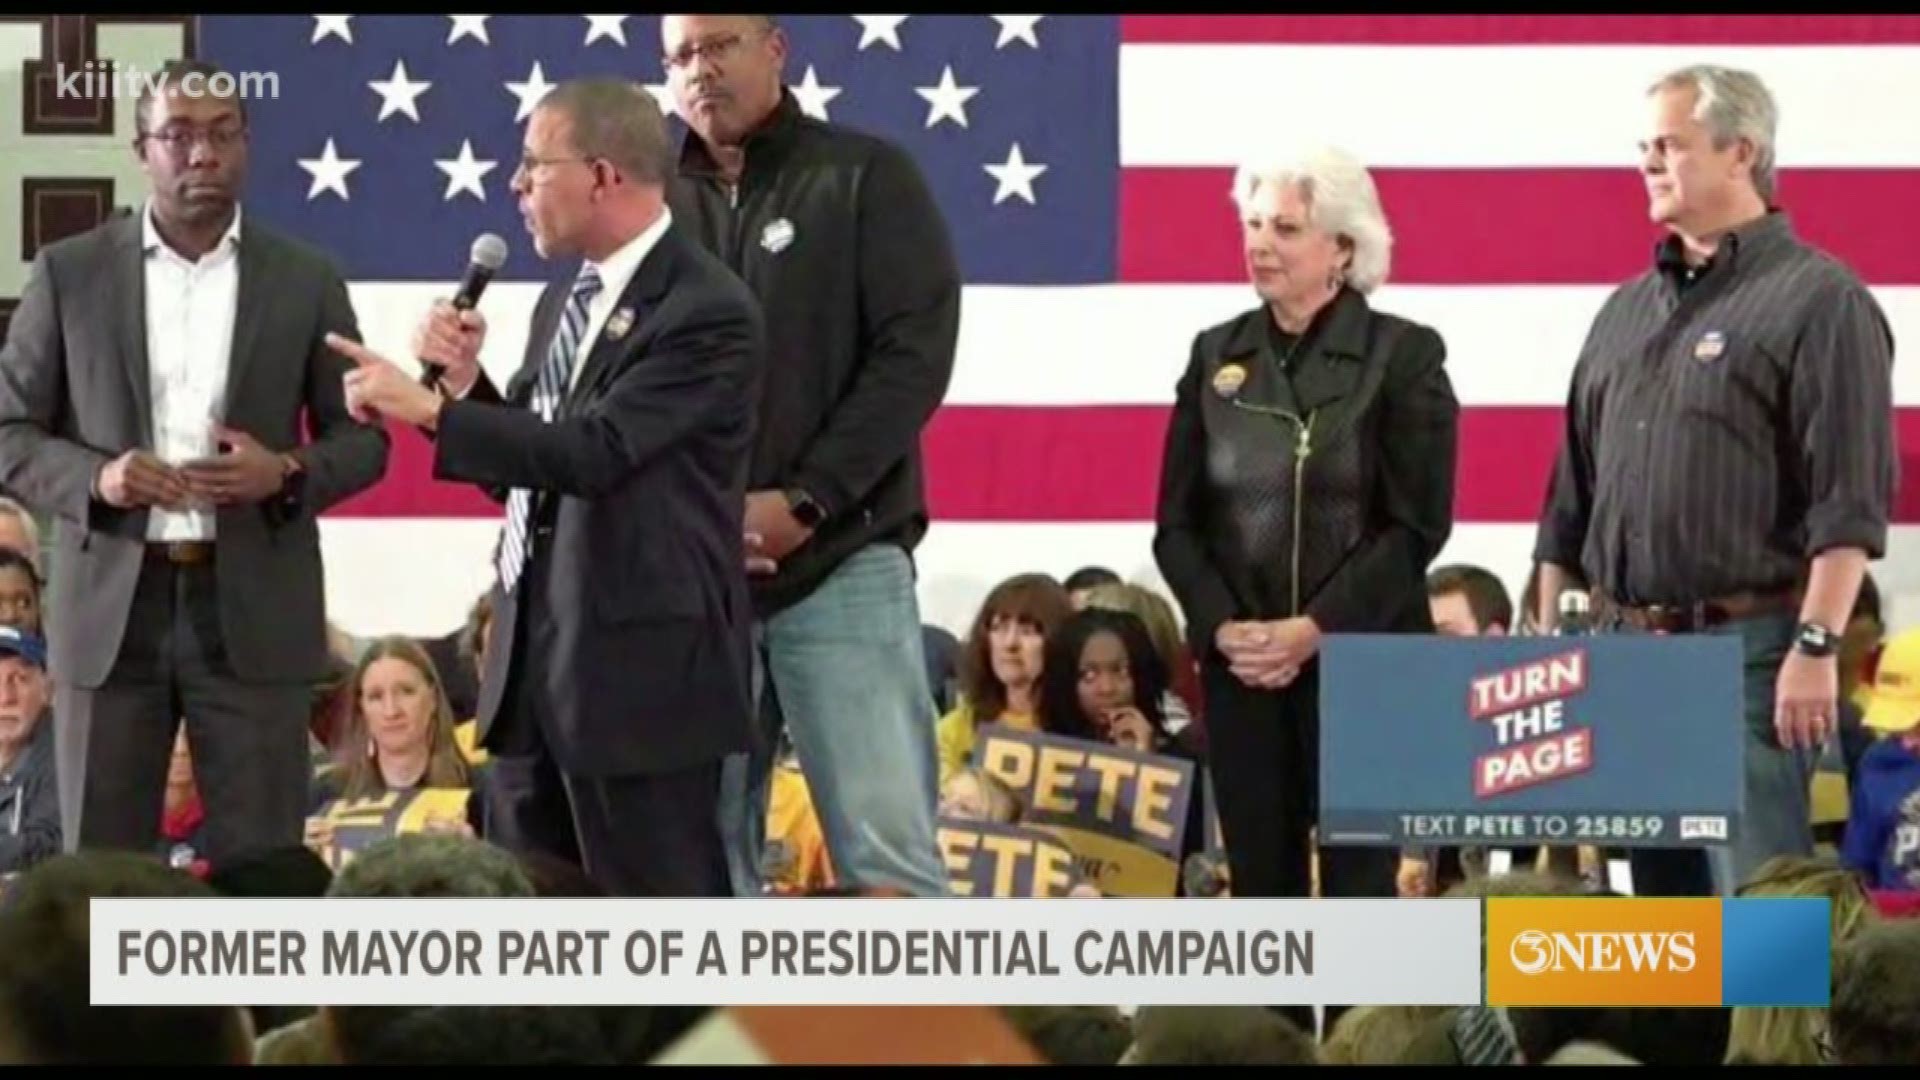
point(1306, 486)
point(399, 743)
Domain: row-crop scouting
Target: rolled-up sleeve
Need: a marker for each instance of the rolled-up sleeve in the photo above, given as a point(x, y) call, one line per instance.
point(1842, 414)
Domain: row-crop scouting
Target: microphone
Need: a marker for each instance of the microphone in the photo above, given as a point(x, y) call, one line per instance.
point(484, 259)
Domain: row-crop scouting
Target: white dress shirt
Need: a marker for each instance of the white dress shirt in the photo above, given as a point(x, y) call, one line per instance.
point(190, 317)
point(616, 273)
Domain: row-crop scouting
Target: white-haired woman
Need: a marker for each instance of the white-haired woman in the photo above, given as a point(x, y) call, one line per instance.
point(1307, 485)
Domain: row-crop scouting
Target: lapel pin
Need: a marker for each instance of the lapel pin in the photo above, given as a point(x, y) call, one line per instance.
point(1710, 346)
point(777, 235)
point(1229, 379)
point(619, 323)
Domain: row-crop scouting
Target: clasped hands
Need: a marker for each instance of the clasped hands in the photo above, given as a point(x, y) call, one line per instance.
point(1268, 655)
point(243, 472)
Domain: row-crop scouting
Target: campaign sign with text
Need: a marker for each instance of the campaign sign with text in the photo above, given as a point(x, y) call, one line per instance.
point(1123, 813)
point(361, 823)
point(1611, 740)
point(988, 859)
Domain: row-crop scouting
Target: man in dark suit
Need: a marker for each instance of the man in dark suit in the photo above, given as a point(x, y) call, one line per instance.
point(619, 674)
point(152, 392)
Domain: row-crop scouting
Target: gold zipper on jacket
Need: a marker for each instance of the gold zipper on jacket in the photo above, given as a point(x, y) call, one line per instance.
point(1302, 450)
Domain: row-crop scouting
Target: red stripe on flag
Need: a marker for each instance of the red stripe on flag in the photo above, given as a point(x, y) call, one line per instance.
point(1102, 463)
point(1514, 226)
point(1522, 29)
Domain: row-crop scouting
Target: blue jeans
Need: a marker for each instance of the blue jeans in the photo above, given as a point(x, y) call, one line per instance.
point(1779, 812)
point(845, 670)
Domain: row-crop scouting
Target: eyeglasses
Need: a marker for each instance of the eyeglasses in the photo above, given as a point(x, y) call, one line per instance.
point(531, 162)
point(180, 140)
point(716, 50)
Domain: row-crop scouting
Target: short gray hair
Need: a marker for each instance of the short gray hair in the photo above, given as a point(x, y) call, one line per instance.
point(618, 120)
point(1341, 200)
point(1733, 104)
point(433, 864)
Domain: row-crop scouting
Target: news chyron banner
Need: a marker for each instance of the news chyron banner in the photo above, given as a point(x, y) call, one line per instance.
point(987, 859)
point(1123, 813)
point(360, 823)
point(1610, 740)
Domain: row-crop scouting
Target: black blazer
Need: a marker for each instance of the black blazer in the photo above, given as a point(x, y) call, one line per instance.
point(1373, 503)
point(640, 621)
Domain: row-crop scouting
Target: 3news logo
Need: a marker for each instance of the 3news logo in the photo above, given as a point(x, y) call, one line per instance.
point(1602, 951)
point(1535, 951)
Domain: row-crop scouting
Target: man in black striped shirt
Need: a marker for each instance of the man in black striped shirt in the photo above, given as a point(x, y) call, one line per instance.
point(1729, 460)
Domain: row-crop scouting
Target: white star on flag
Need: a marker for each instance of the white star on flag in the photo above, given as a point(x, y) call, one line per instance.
point(1017, 28)
point(663, 94)
point(812, 96)
point(947, 101)
point(335, 25)
point(464, 173)
point(882, 29)
point(606, 26)
point(529, 92)
point(398, 93)
point(473, 26)
point(1015, 177)
point(329, 172)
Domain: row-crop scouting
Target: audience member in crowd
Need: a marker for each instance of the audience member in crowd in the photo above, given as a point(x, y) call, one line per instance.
point(1163, 626)
point(1217, 1035)
point(400, 738)
point(1094, 1035)
point(29, 788)
point(19, 532)
point(1793, 1036)
point(482, 1035)
point(474, 640)
point(1882, 840)
point(1861, 644)
point(1649, 1035)
point(46, 979)
point(457, 661)
point(1379, 1034)
point(19, 591)
point(943, 652)
point(1875, 1015)
point(412, 866)
point(973, 794)
point(1468, 601)
point(293, 873)
point(1085, 580)
point(183, 818)
point(795, 860)
point(1001, 669)
point(1102, 680)
point(1307, 484)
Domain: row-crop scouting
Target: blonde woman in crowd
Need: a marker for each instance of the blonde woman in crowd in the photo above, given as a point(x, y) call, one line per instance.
point(400, 737)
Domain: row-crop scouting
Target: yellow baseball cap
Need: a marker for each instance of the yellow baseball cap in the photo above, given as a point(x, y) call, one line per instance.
point(1896, 685)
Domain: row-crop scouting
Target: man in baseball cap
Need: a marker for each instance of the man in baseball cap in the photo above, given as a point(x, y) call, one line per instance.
point(29, 799)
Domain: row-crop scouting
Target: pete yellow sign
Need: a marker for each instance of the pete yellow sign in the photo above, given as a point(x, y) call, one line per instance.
point(1121, 812)
point(985, 859)
point(360, 823)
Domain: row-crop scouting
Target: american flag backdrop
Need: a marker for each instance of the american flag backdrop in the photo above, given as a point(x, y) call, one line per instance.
point(1083, 163)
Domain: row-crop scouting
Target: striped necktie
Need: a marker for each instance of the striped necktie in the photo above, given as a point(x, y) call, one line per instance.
point(549, 389)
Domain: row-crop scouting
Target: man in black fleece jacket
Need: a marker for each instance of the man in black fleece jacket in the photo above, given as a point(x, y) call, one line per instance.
point(839, 237)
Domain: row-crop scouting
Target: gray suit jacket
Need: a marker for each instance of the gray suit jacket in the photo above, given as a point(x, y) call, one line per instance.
point(74, 394)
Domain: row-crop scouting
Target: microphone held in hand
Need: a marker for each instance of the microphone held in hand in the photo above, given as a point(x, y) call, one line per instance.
point(484, 259)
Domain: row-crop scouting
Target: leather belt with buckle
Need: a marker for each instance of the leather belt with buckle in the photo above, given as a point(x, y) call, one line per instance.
point(1697, 615)
point(183, 552)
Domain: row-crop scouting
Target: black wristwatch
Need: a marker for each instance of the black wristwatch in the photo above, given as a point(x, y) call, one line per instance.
point(1815, 640)
point(805, 509)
